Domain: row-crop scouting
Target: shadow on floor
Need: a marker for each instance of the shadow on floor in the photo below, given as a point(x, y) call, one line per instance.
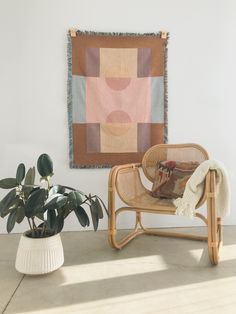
point(95, 248)
point(179, 266)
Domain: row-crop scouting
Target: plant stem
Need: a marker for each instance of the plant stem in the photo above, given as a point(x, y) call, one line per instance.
point(30, 224)
point(48, 182)
point(34, 225)
point(43, 229)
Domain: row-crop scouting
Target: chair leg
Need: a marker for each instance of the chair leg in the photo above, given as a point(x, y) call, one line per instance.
point(212, 244)
point(214, 225)
point(112, 234)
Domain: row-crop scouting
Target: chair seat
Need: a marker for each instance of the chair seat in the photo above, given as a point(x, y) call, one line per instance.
point(146, 201)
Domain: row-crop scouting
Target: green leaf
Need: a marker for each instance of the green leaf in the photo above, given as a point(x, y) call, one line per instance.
point(30, 176)
point(8, 183)
point(73, 189)
point(20, 213)
point(94, 214)
point(35, 203)
point(40, 216)
point(61, 201)
point(51, 218)
point(11, 221)
point(35, 188)
point(28, 189)
point(65, 211)
point(12, 207)
point(75, 198)
point(57, 189)
point(99, 208)
point(68, 187)
point(81, 192)
point(59, 223)
point(104, 206)
point(7, 202)
point(82, 216)
point(20, 173)
point(51, 202)
point(45, 165)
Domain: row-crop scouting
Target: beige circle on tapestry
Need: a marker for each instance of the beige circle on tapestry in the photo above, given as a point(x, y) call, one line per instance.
point(117, 123)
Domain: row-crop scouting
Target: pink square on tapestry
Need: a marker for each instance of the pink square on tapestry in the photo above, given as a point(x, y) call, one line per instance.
point(108, 100)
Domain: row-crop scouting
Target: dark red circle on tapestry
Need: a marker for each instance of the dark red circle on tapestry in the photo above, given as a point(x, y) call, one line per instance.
point(118, 84)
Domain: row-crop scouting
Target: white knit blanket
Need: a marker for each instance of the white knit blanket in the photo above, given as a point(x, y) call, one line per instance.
point(195, 187)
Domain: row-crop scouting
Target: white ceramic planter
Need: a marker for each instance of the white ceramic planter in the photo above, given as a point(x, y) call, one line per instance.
point(39, 256)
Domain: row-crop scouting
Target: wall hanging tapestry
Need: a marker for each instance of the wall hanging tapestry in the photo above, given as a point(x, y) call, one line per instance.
point(117, 96)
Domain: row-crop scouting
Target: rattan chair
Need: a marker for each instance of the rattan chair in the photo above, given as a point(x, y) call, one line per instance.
point(125, 182)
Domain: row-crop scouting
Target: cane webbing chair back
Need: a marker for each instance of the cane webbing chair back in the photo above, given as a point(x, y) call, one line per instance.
point(132, 192)
point(175, 152)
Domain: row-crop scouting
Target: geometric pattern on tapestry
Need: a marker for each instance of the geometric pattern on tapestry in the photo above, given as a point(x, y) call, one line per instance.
point(117, 107)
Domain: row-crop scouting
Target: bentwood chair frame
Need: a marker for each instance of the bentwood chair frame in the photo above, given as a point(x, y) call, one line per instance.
point(123, 177)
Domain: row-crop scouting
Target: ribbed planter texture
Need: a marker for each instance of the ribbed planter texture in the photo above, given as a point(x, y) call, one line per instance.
point(37, 256)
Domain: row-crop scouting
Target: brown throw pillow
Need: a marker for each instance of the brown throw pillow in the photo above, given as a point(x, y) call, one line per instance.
point(171, 178)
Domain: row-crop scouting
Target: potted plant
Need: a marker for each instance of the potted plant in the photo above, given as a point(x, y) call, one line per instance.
point(45, 207)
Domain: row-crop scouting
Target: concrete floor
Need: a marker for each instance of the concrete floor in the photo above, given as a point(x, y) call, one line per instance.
point(151, 275)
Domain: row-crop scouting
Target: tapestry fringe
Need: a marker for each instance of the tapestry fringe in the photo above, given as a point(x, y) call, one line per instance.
point(166, 92)
point(69, 99)
point(81, 33)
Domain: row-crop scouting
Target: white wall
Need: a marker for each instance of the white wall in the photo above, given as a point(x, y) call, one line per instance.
point(33, 78)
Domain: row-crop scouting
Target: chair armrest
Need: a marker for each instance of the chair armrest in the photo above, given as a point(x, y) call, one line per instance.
point(209, 189)
point(126, 182)
point(116, 169)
